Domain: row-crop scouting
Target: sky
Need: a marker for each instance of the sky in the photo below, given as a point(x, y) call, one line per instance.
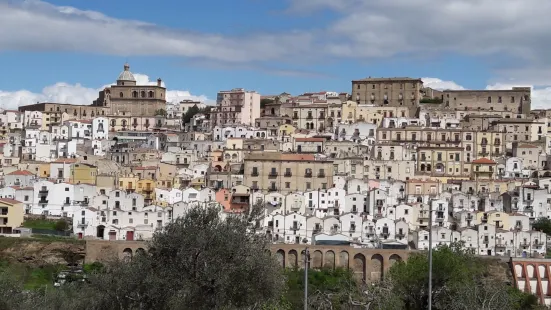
point(67, 50)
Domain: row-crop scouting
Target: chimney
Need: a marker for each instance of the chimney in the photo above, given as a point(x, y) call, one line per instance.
point(159, 82)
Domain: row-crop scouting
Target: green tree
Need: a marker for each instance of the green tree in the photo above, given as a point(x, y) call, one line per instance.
point(542, 224)
point(264, 102)
point(61, 225)
point(459, 280)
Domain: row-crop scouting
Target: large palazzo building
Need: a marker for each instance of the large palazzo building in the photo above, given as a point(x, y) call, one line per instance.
point(126, 98)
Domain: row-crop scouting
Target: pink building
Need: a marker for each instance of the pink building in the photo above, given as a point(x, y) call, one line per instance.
point(236, 106)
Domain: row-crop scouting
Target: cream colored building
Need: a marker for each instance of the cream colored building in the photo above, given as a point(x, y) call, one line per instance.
point(286, 173)
point(516, 100)
point(11, 215)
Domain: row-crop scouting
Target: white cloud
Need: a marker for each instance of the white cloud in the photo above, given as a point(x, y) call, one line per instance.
point(439, 84)
point(78, 94)
point(74, 30)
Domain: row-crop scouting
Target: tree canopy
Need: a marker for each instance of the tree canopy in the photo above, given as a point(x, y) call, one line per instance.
point(186, 117)
point(199, 261)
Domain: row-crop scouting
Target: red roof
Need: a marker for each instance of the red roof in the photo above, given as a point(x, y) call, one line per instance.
point(20, 172)
point(9, 201)
point(309, 139)
point(484, 160)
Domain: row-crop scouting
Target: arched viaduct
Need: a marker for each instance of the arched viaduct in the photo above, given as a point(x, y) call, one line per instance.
point(367, 264)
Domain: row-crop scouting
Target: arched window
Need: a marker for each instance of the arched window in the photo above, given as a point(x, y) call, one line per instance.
point(143, 94)
point(151, 94)
point(134, 94)
point(121, 94)
point(113, 123)
point(92, 114)
point(123, 123)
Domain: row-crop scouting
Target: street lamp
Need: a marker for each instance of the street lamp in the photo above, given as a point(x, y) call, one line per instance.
point(306, 261)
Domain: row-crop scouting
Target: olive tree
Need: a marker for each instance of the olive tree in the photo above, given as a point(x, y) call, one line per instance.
point(199, 261)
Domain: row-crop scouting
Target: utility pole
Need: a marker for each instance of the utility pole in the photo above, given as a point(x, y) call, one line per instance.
point(430, 254)
point(306, 261)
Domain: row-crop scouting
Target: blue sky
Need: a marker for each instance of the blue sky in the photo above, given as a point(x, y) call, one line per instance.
point(201, 47)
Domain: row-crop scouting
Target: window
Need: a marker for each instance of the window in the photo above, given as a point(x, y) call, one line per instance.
point(287, 184)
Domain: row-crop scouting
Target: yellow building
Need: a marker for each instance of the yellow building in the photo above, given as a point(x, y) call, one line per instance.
point(499, 219)
point(483, 168)
point(490, 144)
point(44, 170)
point(146, 187)
point(83, 173)
point(286, 130)
point(11, 215)
point(128, 183)
point(349, 111)
point(441, 161)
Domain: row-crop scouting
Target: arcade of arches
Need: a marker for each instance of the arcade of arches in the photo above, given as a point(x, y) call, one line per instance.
point(367, 264)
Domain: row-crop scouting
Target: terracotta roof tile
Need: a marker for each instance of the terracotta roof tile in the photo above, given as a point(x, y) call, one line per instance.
point(484, 160)
point(309, 139)
point(9, 201)
point(20, 172)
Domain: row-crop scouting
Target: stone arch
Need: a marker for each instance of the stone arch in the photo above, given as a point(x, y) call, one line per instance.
point(127, 254)
point(293, 259)
point(547, 174)
point(140, 251)
point(359, 266)
point(394, 258)
point(376, 266)
point(317, 259)
point(280, 256)
point(329, 260)
point(343, 259)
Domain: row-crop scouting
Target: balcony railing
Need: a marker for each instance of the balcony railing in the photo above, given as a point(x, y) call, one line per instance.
point(400, 235)
point(293, 227)
point(538, 243)
point(308, 174)
point(309, 117)
point(321, 175)
point(254, 174)
point(80, 224)
point(273, 174)
point(272, 189)
point(288, 174)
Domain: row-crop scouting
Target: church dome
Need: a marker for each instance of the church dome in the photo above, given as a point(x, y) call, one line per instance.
point(126, 75)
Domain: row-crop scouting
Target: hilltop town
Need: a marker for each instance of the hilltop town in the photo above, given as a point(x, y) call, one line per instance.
point(374, 167)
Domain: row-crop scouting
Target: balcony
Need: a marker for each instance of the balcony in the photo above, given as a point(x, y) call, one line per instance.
point(84, 203)
point(309, 117)
point(273, 174)
point(538, 243)
point(486, 241)
point(334, 230)
point(439, 219)
point(384, 234)
point(43, 191)
point(43, 201)
point(400, 235)
point(295, 116)
point(288, 174)
point(321, 117)
point(294, 228)
point(308, 174)
point(82, 225)
point(148, 190)
point(524, 243)
point(254, 174)
point(378, 215)
point(321, 175)
point(500, 244)
point(316, 231)
point(272, 189)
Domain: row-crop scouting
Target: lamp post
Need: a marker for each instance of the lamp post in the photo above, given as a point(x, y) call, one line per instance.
point(306, 261)
point(430, 254)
